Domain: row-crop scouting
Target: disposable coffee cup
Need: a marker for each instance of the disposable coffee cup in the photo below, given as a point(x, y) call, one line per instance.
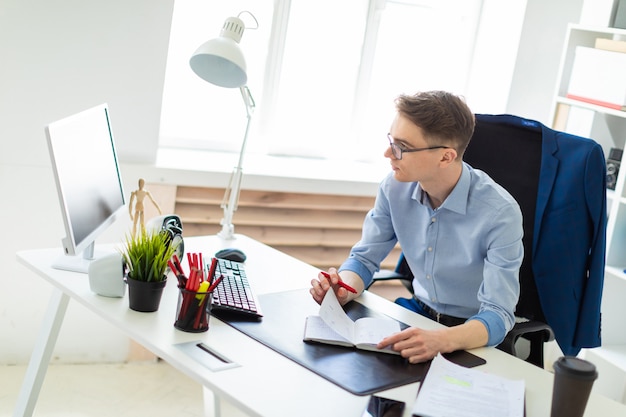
point(573, 379)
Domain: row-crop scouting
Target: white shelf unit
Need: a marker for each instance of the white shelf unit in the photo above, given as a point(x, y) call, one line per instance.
point(608, 127)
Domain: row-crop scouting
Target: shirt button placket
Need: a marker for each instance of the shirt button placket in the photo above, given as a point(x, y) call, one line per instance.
point(431, 235)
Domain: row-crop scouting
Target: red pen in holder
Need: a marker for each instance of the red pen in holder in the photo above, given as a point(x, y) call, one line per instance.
point(193, 310)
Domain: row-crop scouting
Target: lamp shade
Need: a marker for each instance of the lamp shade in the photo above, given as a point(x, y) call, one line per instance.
point(220, 61)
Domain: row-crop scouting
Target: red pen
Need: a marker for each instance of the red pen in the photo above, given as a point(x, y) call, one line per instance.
point(172, 267)
point(216, 283)
point(177, 264)
point(340, 283)
point(190, 281)
point(211, 275)
point(182, 279)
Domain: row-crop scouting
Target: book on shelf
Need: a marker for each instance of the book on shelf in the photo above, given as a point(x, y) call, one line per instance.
point(333, 326)
point(610, 45)
point(597, 77)
point(561, 116)
point(596, 102)
point(580, 121)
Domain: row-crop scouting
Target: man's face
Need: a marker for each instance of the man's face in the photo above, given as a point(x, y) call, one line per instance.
point(414, 166)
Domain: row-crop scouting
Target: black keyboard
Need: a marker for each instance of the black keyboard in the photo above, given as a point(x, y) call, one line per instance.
point(233, 294)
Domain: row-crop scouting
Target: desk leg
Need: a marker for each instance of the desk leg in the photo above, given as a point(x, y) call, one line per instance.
point(42, 352)
point(212, 406)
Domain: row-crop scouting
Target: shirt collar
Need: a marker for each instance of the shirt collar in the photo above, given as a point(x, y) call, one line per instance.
point(457, 200)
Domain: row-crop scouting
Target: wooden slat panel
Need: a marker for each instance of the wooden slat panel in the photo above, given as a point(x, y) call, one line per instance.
point(317, 229)
point(251, 198)
point(199, 213)
point(266, 216)
point(164, 195)
point(200, 195)
point(285, 236)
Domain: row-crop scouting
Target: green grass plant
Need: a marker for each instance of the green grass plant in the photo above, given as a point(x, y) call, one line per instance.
point(146, 255)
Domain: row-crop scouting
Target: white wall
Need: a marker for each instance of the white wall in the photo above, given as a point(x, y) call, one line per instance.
point(58, 57)
point(539, 55)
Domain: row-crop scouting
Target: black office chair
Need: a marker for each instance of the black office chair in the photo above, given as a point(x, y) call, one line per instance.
point(495, 149)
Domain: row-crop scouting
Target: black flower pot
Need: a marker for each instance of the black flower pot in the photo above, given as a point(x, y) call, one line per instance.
point(144, 296)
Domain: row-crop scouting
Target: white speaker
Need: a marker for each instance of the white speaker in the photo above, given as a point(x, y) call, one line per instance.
point(106, 275)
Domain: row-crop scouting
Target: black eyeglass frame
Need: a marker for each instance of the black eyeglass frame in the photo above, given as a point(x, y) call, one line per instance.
point(396, 148)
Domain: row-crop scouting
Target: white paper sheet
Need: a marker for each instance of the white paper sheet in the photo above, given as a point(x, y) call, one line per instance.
point(453, 390)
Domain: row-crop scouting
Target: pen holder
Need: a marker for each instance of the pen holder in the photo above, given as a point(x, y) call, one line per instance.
point(193, 311)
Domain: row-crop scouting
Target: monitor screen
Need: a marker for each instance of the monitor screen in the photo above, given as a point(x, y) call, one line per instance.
point(85, 165)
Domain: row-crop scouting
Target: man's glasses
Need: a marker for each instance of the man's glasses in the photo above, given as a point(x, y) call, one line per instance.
point(397, 150)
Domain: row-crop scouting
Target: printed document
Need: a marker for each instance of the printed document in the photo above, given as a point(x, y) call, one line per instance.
point(453, 390)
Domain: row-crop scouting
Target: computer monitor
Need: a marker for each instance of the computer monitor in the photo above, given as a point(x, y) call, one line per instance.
point(89, 185)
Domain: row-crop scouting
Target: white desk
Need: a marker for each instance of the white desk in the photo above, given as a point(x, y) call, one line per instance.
point(265, 383)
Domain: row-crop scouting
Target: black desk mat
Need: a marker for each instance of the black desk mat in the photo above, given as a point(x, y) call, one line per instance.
point(357, 371)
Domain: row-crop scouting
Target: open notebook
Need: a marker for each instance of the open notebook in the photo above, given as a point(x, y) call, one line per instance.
point(333, 326)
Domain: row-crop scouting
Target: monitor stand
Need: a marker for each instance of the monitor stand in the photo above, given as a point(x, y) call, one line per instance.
point(80, 263)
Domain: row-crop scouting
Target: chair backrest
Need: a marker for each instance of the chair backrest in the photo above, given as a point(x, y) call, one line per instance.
point(512, 157)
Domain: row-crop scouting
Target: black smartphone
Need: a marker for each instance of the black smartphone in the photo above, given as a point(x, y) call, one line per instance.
point(383, 407)
point(464, 358)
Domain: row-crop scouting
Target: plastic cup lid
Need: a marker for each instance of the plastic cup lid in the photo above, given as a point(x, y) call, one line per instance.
point(576, 367)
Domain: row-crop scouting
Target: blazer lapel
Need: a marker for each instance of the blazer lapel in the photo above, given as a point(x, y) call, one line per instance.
point(549, 166)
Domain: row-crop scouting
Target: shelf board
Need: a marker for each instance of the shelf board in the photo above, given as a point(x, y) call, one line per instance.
point(611, 194)
point(594, 107)
point(617, 271)
point(597, 29)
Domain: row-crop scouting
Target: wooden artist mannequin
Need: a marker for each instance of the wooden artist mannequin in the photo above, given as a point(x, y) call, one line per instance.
point(137, 197)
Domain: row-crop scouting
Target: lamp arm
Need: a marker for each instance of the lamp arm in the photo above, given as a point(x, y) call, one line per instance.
point(250, 106)
point(231, 195)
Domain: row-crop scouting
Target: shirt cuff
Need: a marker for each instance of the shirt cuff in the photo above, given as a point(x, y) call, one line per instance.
point(358, 268)
point(494, 324)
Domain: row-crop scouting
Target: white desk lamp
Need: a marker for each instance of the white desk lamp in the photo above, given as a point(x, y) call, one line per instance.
point(221, 62)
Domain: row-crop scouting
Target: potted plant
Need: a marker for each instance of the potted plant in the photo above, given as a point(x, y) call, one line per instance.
point(145, 257)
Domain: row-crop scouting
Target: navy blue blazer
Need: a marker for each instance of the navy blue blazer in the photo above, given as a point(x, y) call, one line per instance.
point(569, 236)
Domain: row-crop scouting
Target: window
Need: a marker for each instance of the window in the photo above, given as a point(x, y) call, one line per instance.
point(323, 73)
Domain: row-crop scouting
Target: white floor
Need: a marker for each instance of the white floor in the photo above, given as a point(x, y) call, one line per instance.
point(138, 389)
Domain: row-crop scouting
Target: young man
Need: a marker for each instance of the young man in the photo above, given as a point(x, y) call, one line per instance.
point(461, 233)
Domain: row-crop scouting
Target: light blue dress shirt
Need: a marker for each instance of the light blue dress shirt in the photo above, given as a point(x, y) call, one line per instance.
point(465, 255)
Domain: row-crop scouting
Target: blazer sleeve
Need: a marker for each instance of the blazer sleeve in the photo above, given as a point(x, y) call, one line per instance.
point(588, 328)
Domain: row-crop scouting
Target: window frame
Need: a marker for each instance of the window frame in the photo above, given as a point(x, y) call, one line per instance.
point(265, 113)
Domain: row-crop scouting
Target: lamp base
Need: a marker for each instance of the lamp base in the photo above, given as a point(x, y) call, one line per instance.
point(227, 232)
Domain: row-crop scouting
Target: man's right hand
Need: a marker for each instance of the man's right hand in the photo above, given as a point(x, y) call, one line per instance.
point(330, 281)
